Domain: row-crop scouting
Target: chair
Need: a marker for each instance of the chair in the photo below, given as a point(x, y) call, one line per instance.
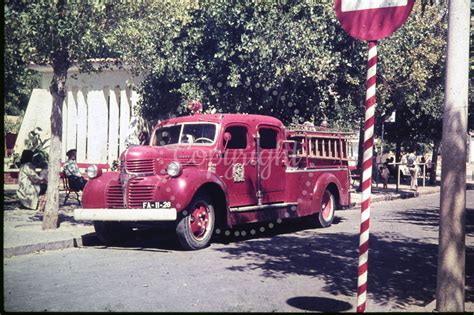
point(69, 190)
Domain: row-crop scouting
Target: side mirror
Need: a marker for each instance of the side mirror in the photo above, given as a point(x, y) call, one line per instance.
point(227, 138)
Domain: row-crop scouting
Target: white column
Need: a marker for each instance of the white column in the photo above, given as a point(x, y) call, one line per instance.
point(125, 108)
point(113, 141)
point(81, 98)
point(71, 121)
point(64, 131)
point(37, 114)
point(97, 127)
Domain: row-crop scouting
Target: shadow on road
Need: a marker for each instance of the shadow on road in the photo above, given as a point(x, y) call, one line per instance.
point(402, 271)
point(319, 304)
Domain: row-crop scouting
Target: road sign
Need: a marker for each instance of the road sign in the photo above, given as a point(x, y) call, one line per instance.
point(372, 19)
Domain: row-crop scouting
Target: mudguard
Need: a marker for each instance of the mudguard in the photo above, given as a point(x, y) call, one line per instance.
point(320, 187)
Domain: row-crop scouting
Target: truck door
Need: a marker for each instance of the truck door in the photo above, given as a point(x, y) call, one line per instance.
point(237, 169)
point(272, 164)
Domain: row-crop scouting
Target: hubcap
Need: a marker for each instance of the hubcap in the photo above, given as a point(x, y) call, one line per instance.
point(199, 221)
point(327, 207)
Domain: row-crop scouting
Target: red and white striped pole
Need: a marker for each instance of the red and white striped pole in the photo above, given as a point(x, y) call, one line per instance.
point(367, 178)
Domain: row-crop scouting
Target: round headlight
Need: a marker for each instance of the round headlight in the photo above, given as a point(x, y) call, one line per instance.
point(92, 171)
point(173, 169)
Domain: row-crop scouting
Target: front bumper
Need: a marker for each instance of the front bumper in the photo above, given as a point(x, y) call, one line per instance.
point(104, 214)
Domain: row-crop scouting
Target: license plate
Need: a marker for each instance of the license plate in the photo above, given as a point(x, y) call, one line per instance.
point(156, 204)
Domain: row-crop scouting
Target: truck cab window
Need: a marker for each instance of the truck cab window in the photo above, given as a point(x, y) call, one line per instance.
point(239, 137)
point(167, 135)
point(203, 134)
point(268, 138)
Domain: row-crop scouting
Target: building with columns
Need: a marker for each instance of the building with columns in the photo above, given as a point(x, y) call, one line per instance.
point(96, 113)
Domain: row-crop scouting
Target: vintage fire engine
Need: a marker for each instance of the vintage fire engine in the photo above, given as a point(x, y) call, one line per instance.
point(201, 173)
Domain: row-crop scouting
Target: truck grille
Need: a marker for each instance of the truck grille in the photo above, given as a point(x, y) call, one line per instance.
point(137, 194)
point(114, 197)
point(140, 166)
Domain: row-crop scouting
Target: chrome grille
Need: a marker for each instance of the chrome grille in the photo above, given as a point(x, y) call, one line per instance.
point(138, 193)
point(114, 196)
point(140, 166)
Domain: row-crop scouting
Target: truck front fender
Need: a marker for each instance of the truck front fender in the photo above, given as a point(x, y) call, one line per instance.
point(94, 193)
point(181, 190)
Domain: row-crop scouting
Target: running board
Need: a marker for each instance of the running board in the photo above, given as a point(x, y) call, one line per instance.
point(262, 207)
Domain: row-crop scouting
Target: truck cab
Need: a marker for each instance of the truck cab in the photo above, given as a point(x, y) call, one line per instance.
point(203, 173)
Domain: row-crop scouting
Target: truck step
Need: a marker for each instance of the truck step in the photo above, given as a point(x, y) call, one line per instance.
point(262, 207)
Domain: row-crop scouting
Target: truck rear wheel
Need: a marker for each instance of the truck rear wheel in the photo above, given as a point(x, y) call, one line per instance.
point(111, 233)
point(195, 228)
point(328, 207)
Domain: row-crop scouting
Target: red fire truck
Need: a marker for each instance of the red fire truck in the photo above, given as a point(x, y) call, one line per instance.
point(207, 173)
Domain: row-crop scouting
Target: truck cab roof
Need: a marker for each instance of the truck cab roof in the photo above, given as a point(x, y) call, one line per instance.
point(225, 119)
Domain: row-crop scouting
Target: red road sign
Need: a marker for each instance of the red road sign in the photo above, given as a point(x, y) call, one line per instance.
point(372, 19)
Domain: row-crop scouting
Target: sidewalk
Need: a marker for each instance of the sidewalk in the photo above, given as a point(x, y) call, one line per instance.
point(23, 233)
point(22, 228)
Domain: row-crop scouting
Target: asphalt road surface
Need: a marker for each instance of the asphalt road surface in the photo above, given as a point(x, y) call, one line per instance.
point(290, 266)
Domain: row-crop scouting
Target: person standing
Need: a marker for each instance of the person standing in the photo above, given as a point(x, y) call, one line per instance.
point(32, 187)
point(72, 172)
point(412, 162)
point(385, 172)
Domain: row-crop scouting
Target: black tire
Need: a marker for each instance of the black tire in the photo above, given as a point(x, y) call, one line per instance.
point(328, 208)
point(196, 226)
point(111, 233)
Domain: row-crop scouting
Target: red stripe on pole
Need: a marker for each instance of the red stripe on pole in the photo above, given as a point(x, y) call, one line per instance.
point(371, 81)
point(365, 203)
point(361, 309)
point(372, 62)
point(364, 227)
point(362, 289)
point(367, 184)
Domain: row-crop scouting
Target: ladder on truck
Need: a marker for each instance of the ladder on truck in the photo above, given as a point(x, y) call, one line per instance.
point(313, 146)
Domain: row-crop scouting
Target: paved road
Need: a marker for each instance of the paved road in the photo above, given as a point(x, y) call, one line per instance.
point(288, 267)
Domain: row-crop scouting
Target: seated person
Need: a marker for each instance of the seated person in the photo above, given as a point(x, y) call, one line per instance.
point(31, 185)
point(71, 171)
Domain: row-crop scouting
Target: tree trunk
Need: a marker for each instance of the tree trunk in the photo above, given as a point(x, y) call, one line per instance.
point(451, 278)
point(58, 91)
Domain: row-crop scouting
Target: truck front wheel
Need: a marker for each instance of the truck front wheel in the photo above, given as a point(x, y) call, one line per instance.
point(111, 233)
point(328, 207)
point(196, 226)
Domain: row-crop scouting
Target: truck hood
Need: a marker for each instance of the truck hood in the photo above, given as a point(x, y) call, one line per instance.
point(148, 159)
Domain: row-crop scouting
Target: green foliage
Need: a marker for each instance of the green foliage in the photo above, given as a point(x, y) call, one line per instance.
point(18, 80)
point(290, 60)
point(412, 77)
point(38, 146)
point(11, 126)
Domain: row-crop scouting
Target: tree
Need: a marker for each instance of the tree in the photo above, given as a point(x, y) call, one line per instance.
point(412, 76)
point(290, 60)
point(59, 33)
point(18, 80)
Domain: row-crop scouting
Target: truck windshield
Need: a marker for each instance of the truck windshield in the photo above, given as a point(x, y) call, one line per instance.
point(196, 134)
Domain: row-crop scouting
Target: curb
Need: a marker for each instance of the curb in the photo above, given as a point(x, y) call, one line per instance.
point(34, 248)
point(403, 195)
point(80, 241)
